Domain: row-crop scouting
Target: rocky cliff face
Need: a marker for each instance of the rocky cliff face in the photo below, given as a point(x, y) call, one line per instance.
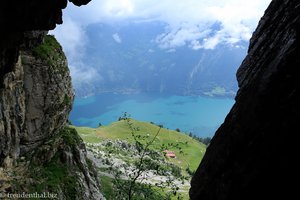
point(252, 154)
point(36, 97)
point(38, 152)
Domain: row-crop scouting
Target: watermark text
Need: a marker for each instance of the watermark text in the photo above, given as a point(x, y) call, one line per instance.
point(24, 195)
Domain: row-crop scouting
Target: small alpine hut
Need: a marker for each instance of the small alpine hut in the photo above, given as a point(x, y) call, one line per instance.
point(170, 154)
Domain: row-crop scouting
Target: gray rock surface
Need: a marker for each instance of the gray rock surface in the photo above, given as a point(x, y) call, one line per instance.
point(33, 102)
point(253, 153)
point(36, 97)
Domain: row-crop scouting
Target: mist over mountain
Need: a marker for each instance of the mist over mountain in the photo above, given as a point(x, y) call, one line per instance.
point(137, 56)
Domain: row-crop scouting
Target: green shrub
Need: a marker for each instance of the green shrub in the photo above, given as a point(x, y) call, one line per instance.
point(70, 136)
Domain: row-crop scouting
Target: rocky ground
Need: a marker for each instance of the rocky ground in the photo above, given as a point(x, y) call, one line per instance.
point(119, 156)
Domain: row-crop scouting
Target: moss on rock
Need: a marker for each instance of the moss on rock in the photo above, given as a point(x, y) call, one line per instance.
point(51, 52)
point(70, 137)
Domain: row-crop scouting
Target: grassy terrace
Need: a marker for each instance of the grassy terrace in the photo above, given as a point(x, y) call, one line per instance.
point(189, 152)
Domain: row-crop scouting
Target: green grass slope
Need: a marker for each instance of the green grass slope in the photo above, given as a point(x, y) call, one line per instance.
point(189, 152)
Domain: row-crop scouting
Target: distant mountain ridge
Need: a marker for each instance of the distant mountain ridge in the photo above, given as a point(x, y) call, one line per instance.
point(128, 59)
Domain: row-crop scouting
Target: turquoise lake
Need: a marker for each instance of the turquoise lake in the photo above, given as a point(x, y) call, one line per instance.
point(196, 114)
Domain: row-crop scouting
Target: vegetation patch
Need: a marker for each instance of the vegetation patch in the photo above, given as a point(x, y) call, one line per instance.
point(48, 48)
point(54, 177)
point(67, 100)
point(188, 151)
point(46, 170)
point(131, 156)
point(51, 52)
point(70, 136)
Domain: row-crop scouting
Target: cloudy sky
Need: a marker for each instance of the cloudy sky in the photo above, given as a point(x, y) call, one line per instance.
point(189, 22)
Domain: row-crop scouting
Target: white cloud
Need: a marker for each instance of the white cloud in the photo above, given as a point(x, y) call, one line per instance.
point(189, 22)
point(212, 42)
point(180, 36)
point(171, 50)
point(117, 8)
point(237, 20)
point(83, 75)
point(73, 40)
point(117, 38)
point(72, 37)
point(195, 44)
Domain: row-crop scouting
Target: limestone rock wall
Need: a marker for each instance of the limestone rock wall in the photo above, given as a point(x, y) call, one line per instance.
point(253, 153)
point(36, 99)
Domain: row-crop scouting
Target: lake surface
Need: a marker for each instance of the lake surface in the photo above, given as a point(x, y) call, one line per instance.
point(199, 115)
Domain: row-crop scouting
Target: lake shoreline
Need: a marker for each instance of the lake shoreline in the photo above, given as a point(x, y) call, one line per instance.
point(197, 114)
